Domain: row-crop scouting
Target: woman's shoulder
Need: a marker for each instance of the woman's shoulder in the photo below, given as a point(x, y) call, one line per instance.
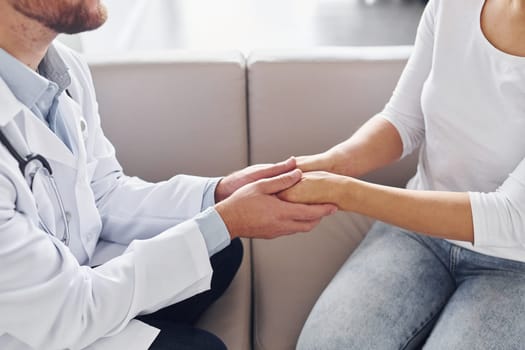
point(461, 8)
point(450, 17)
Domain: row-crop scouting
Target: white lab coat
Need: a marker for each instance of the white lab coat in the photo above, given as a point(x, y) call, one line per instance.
point(47, 299)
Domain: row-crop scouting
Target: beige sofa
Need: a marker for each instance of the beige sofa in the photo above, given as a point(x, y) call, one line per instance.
point(212, 113)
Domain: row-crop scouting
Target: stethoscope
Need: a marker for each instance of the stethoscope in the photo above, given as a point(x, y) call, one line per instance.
point(30, 165)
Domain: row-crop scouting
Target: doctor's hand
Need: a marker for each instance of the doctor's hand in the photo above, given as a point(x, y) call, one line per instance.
point(255, 211)
point(238, 179)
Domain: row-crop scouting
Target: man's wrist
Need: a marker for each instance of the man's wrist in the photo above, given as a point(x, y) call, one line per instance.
point(221, 190)
point(213, 229)
point(228, 218)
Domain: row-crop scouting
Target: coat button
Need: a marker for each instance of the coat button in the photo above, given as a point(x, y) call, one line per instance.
point(83, 125)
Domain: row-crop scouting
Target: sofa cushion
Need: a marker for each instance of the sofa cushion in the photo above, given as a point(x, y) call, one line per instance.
point(230, 317)
point(304, 103)
point(291, 272)
point(175, 112)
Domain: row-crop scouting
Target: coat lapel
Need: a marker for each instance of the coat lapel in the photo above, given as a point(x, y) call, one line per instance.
point(10, 105)
point(40, 139)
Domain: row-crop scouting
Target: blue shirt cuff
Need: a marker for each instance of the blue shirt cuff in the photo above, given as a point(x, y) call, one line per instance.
point(214, 230)
point(208, 198)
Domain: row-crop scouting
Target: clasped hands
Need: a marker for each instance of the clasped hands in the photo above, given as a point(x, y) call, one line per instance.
point(271, 200)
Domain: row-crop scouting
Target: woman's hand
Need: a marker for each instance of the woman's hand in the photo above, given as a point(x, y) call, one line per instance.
point(316, 187)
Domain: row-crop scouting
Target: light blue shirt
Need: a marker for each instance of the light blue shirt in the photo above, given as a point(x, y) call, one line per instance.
point(210, 223)
point(40, 92)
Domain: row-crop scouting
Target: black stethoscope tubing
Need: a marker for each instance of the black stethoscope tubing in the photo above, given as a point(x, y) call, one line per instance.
point(24, 161)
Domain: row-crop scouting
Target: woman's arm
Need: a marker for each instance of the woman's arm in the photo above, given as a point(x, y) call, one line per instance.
point(398, 130)
point(436, 213)
point(376, 144)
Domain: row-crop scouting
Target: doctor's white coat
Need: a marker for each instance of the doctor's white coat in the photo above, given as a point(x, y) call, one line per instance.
point(48, 300)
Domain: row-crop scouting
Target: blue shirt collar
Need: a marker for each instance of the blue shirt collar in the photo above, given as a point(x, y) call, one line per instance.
point(27, 85)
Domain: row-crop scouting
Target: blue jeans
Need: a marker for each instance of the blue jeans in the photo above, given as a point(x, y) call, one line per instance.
point(401, 290)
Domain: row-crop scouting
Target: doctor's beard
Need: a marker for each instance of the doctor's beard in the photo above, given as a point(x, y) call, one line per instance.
point(64, 16)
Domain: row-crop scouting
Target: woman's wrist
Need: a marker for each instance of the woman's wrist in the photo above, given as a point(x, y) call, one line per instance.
point(344, 192)
point(338, 161)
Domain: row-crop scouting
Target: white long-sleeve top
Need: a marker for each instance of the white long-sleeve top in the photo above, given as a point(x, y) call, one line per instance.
point(463, 102)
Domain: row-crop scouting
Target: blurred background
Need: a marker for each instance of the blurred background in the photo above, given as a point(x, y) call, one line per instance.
point(142, 25)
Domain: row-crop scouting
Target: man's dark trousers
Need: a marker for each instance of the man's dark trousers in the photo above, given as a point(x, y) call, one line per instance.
point(176, 322)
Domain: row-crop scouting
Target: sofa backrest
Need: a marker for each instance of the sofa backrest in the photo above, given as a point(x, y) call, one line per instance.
point(194, 113)
point(304, 102)
point(176, 112)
